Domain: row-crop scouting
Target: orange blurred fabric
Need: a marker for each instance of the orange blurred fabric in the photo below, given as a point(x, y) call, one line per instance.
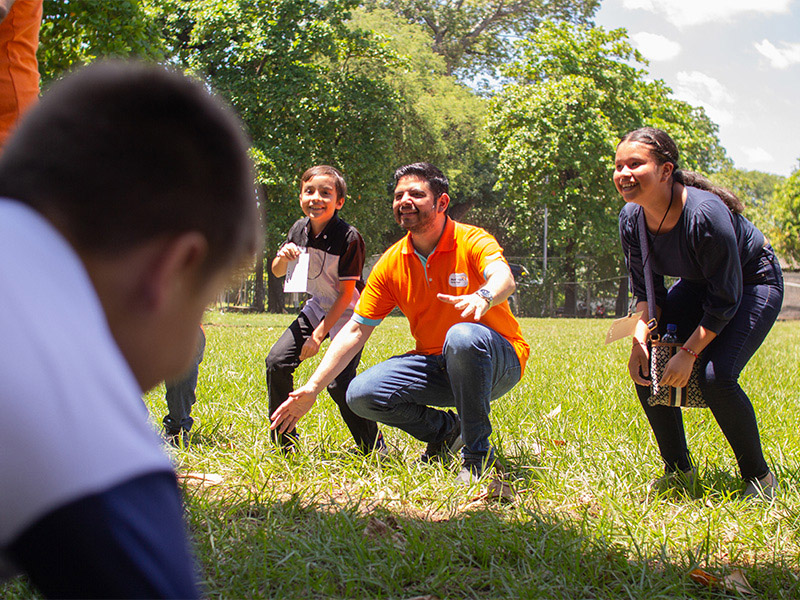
point(19, 69)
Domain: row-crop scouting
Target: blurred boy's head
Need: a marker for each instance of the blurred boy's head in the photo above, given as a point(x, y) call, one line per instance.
point(121, 152)
point(141, 167)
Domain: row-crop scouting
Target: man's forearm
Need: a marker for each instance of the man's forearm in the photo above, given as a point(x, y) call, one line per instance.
point(343, 348)
point(500, 282)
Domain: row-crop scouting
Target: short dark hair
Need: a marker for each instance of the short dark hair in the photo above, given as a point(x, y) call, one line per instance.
point(121, 152)
point(341, 185)
point(436, 179)
point(665, 150)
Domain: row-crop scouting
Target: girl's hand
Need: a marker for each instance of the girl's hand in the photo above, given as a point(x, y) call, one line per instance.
point(678, 370)
point(639, 363)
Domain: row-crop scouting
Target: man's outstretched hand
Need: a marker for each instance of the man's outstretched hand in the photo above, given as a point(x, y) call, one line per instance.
point(293, 409)
point(470, 305)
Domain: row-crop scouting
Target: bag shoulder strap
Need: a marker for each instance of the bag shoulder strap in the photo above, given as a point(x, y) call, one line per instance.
point(644, 246)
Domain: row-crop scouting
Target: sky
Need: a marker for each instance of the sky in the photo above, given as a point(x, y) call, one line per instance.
point(738, 59)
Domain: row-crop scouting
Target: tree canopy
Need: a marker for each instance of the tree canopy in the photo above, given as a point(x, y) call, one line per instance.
point(76, 32)
point(368, 86)
point(786, 233)
point(575, 90)
point(756, 190)
point(475, 36)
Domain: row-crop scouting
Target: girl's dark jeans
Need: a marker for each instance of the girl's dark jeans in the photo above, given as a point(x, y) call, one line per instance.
point(723, 360)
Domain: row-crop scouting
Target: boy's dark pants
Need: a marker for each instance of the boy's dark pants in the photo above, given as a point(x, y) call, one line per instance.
point(180, 394)
point(284, 358)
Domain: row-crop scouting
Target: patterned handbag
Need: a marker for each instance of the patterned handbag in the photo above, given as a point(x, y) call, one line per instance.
point(690, 396)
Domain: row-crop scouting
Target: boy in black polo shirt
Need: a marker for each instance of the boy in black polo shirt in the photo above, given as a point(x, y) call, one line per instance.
point(336, 259)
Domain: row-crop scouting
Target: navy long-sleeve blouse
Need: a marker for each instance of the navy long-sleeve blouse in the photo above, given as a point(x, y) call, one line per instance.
point(709, 245)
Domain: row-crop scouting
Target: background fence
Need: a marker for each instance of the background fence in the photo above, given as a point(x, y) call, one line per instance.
point(542, 291)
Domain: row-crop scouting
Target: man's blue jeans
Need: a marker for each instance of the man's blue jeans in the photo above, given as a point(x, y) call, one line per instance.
point(477, 365)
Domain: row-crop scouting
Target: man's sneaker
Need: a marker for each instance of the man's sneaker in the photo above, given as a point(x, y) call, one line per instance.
point(764, 488)
point(474, 467)
point(450, 444)
point(674, 479)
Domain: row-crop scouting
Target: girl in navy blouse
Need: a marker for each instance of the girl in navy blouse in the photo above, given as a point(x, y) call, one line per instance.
point(728, 295)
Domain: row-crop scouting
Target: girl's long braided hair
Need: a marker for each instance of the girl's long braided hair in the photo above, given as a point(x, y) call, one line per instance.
point(665, 150)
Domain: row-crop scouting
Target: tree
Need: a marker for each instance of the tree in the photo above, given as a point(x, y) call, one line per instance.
point(757, 191)
point(786, 234)
point(292, 70)
point(575, 91)
point(443, 120)
point(76, 32)
point(475, 36)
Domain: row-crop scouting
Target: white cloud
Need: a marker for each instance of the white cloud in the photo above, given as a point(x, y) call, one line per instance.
point(684, 13)
point(632, 4)
point(699, 89)
point(779, 58)
point(758, 155)
point(655, 47)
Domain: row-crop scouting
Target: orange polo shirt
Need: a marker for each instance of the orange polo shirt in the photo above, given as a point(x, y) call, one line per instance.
point(19, 70)
point(404, 279)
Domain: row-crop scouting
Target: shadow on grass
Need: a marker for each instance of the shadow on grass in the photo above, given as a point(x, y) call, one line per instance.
point(306, 547)
point(251, 544)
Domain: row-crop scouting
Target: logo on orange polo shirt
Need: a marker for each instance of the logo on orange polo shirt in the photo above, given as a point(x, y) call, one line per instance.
point(459, 280)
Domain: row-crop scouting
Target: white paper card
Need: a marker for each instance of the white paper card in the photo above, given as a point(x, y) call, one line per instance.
point(297, 274)
point(623, 327)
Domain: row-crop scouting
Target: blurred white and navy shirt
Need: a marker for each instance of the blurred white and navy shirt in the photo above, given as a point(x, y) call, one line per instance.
point(79, 459)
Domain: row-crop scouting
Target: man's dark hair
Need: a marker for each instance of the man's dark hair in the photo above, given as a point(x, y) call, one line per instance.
point(122, 152)
point(426, 171)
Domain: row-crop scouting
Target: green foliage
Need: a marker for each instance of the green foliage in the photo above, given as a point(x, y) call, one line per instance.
point(291, 70)
point(575, 90)
point(786, 234)
point(76, 32)
point(553, 147)
point(757, 191)
point(474, 36)
point(554, 130)
point(442, 120)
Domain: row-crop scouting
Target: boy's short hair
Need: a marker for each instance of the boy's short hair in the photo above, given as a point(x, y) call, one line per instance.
point(436, 179)
point(341, 186)
point(121, 152)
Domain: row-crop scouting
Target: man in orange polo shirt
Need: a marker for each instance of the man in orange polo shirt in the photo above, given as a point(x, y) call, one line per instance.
point(451, 281)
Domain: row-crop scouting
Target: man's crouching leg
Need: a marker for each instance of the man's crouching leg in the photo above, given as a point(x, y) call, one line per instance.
point(401, 392)
point(481, 366)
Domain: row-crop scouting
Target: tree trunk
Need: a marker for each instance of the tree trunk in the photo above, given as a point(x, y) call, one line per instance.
point(258, 292)
point(622, 298)
point(275, 296)
point(258, 295)
point(570, 273)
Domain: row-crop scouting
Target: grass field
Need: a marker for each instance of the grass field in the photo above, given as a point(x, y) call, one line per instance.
point(328, 523)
